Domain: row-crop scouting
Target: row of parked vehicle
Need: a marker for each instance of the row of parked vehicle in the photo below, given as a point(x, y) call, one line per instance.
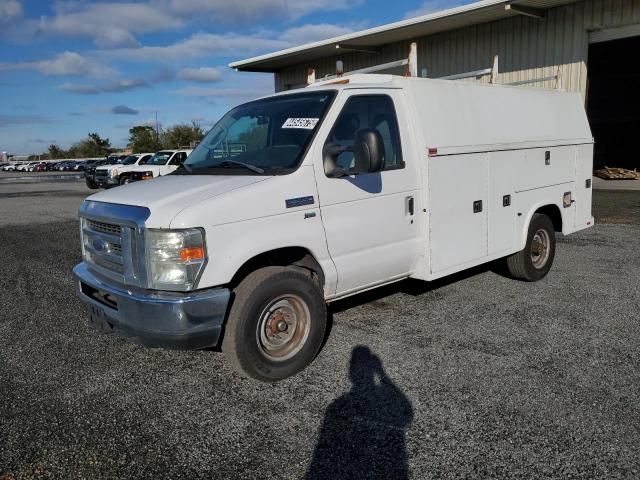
point(119, 170)
point(49, 166)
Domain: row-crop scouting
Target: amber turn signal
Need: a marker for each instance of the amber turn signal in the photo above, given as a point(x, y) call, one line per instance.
point(191, 253)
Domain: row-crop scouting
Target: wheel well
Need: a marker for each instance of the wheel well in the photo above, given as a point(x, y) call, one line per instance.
point(282, 257)
point(553, 212)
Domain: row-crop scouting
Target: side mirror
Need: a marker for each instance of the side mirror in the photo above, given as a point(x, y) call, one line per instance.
point(368, 148)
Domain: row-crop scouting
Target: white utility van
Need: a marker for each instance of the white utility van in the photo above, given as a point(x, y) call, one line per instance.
point(162, 163)
point(120, 174)
point(301, 198)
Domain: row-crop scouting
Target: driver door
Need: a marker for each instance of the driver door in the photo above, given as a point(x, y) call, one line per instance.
point(173, 163)
point(368, 218)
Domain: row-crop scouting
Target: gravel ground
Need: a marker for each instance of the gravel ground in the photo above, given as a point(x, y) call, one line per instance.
point(475, 376)
point(617, 206)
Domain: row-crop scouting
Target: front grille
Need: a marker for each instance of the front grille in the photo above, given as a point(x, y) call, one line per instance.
point(108, 249)
point(105, 263)
point(115, 248)
point(101, 173)
point(102, 227)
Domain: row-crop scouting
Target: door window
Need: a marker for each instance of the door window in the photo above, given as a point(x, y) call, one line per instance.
point(367, 111)
point(177, 158)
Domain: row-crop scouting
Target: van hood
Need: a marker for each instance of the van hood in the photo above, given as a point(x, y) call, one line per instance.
point(167, 196)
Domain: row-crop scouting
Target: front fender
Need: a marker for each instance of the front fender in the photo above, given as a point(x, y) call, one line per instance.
point(231, 245)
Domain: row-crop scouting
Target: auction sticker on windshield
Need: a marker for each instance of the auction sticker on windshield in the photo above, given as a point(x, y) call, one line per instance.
point(305, 123)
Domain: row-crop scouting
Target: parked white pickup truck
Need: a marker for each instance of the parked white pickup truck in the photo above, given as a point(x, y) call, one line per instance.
point(120, 174)
point(301, 198)
point(163, 163)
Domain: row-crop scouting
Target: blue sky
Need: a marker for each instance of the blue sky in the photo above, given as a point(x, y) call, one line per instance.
point(75, 66)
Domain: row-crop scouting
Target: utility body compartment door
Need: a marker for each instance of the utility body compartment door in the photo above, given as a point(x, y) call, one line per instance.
point(584, 188)
point(459, 210)
point(502, 202)
point(543, 167)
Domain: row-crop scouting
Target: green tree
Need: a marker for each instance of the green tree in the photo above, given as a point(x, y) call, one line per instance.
point(55, 152)
point(143, 139)
point(254, 139)
point(91, 147)
point(182, 135)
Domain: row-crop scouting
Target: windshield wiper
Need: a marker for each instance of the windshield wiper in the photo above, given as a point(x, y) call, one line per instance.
point(231, 163)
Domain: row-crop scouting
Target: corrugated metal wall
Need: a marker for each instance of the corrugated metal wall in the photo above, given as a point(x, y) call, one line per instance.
point(527, 47)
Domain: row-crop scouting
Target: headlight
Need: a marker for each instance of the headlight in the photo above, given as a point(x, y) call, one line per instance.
point(175, 258)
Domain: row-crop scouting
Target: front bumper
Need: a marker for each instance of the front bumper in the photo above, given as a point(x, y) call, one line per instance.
point(105, 181)
point(155, 319)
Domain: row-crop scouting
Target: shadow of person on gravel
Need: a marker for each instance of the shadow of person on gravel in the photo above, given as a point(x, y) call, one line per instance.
point(363, 431)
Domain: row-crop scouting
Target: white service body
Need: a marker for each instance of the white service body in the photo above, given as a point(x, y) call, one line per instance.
point(477, 163)
point(486, 141)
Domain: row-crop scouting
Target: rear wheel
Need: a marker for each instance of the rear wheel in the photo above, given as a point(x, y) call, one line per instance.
point(276, 324)
point(534, 262)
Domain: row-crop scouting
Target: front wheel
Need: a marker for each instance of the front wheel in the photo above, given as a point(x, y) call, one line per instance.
point(276, 324)
point(534, 262)
point(125, 179)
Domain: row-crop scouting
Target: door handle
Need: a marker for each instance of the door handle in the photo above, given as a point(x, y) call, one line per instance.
point(410, 205)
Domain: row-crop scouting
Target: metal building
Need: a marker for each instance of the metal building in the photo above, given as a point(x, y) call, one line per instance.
point(588, 46)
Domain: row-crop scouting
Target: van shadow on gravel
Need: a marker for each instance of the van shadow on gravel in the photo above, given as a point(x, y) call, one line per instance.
point(363, 431)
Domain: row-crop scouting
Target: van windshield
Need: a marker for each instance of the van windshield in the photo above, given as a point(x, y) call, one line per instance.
point(264, 137)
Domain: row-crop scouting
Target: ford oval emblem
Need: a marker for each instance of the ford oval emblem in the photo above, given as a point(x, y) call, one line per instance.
point(99, 245)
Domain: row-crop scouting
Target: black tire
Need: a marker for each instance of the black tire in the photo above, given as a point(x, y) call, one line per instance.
point(91, 185)
point(534, 262)
point(124, 180)
point(252, 316)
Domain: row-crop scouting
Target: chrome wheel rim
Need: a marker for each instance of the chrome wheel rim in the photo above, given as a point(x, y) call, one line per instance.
point(540, 248)
point(283, 327)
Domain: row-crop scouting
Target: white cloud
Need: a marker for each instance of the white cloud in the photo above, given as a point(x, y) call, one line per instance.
point(115, 86)
point(9, 9)
point(202, 74)
point(120, 85)
point(197, 46)
point(111, 25)
point(201, 45)
point(249, 10)
point(120, 24)
point(64, 64)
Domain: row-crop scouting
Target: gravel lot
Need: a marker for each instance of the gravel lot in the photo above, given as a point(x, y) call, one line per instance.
point(477, 376)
